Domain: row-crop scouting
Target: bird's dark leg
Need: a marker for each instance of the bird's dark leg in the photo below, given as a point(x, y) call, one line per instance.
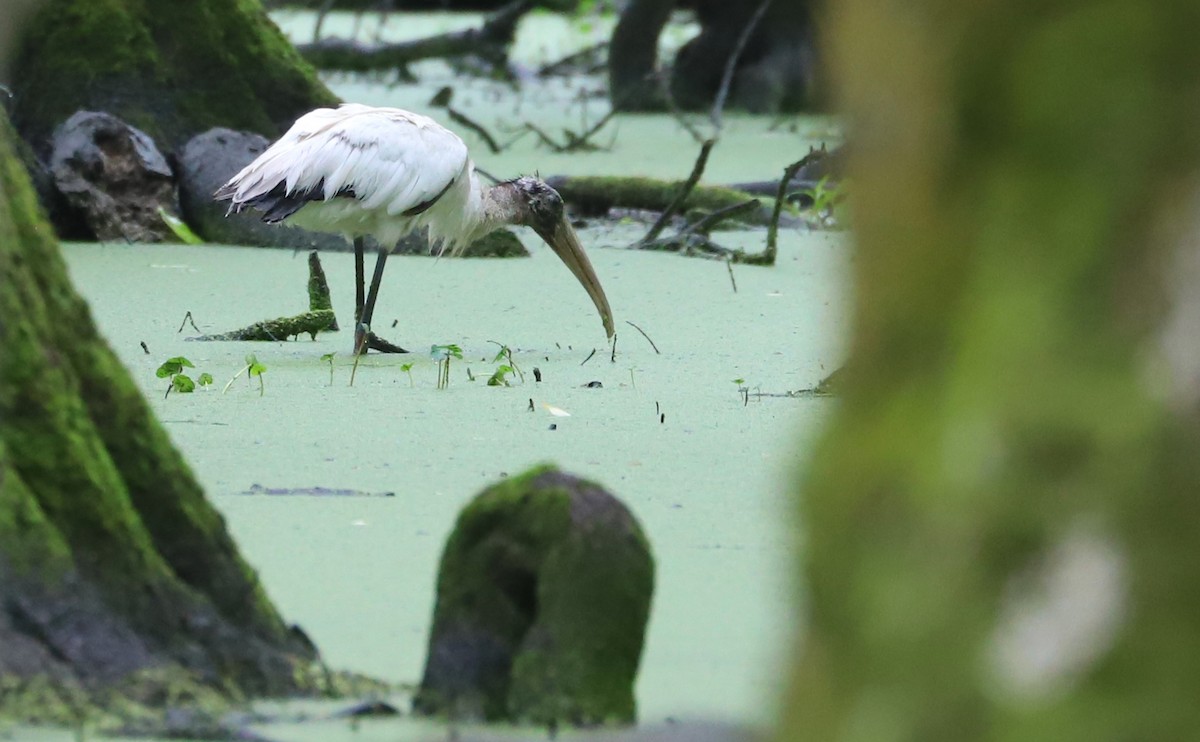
point(368, 309)
point(359, 281)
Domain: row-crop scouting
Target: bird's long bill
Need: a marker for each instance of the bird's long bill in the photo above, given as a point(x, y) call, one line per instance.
point(565, 243)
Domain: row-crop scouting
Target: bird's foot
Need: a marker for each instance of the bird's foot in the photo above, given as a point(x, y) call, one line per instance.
point(371, 341)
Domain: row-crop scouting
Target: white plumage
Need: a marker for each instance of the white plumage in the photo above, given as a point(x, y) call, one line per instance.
point(360, 170)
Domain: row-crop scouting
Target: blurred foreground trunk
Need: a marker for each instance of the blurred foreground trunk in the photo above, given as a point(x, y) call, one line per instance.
point(119, 584)
point(1001, 520)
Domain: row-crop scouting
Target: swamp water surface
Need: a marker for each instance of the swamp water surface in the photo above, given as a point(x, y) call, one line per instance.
point(708, 476)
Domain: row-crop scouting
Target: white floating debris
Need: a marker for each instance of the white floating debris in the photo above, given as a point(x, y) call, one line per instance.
point(556, 411)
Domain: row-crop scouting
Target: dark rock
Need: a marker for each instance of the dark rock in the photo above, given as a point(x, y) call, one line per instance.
point(114, 176)
point(543, 595)
point(367, 709)
point(205, 162)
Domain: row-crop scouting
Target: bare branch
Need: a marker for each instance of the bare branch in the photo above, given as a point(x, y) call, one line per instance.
point(731, 64)
point(681, 197)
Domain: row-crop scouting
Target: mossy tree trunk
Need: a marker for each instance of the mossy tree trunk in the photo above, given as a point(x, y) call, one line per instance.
point(172, 69)
point(1001, 519)
point(118, 581)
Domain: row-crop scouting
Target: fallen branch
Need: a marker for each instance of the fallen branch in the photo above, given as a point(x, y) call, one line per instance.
point(491, 41)
point(584, 61)
point(596, 194)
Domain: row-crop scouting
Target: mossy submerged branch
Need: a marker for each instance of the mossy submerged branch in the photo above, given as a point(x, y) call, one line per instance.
point(281, 328)
point(596, 194)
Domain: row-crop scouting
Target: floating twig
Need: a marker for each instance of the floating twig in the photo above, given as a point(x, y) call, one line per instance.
point(648, 340)
point(729, 265)
point(186, 319)
point(585, 360)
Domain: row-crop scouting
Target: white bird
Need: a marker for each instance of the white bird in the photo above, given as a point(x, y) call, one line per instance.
point(361, 170)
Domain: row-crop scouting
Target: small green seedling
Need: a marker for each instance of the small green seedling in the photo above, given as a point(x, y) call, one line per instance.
point(826, 200)
point(505, 354)
point(442, 355)
point(172, 369)
point(328, 358)
point(407, 368)
point(743, 390)
point(252, 368)
point(204, 379)
point(499, 377)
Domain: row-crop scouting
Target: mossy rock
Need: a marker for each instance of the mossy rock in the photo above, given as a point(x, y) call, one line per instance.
point(543, 595)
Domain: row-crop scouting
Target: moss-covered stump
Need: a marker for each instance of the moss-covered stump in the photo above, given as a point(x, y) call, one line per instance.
point(543, 595)
point(1001, 520)
point(172, 69)
point(119, 585)
point(318, 290)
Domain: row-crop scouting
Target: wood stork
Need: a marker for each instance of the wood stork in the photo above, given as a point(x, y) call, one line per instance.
point(361, 170)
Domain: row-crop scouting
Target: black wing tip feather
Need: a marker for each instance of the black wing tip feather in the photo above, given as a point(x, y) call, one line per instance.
point(277, 204)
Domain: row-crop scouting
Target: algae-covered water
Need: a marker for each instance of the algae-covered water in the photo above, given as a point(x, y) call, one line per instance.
point(707, 472)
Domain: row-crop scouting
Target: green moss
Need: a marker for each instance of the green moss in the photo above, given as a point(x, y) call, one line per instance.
point(30, 546)
point(42, 699)
point(92, 489)
point(172, 69)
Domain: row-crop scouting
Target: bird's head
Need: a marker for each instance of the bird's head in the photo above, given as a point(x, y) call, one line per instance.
point(543, 207)
point(540, 207)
